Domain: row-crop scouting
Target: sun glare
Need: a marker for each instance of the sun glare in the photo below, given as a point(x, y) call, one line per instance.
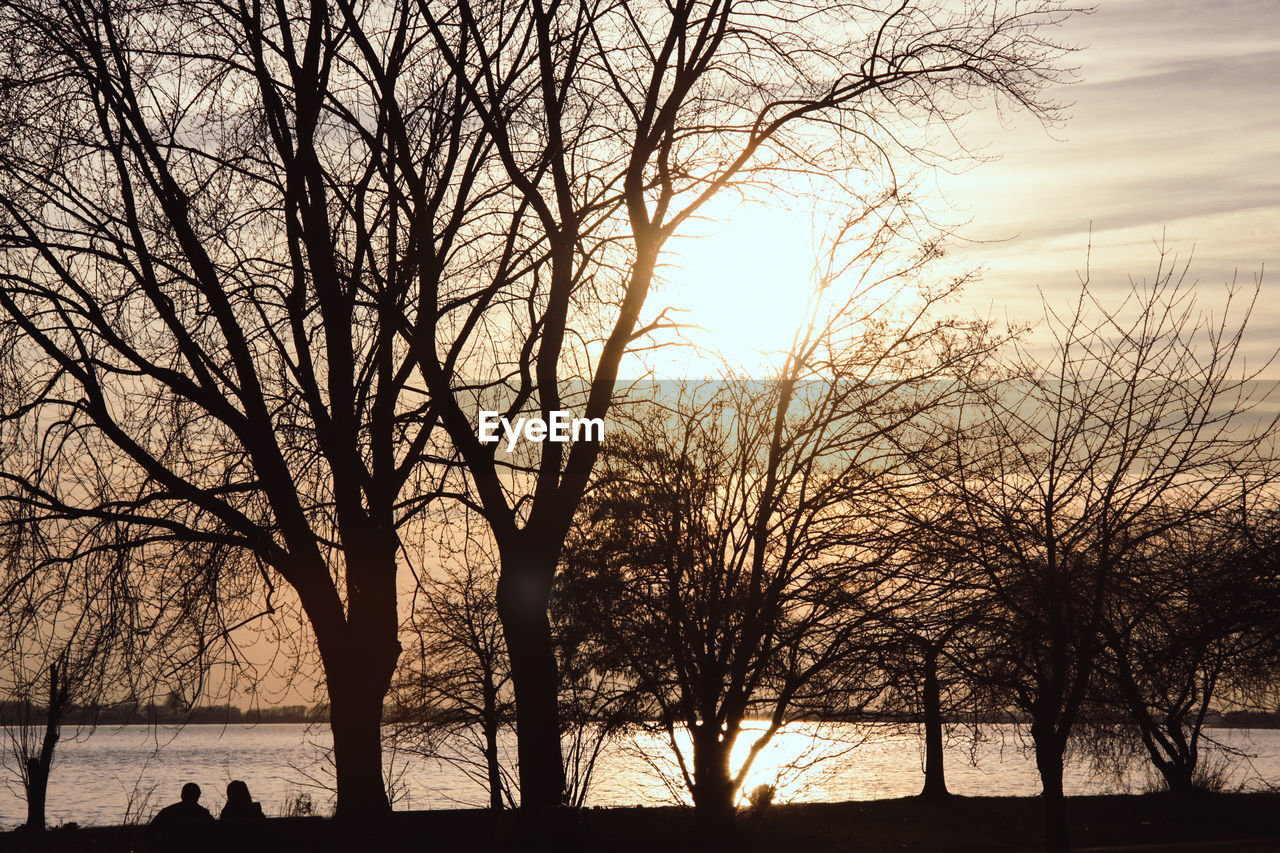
point(743, 280)
point(803, 762)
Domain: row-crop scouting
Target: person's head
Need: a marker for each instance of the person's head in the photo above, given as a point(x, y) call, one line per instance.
point(238, 792)
point(191, 793)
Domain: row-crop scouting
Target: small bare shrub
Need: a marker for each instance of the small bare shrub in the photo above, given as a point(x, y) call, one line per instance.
point(139, 805)
point(298, 805)
point(761, 797)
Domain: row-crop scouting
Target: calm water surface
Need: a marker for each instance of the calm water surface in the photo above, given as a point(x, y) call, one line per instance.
point(114, 773)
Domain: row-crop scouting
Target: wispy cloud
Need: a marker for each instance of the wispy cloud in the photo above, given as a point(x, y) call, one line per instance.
point(1174, 131)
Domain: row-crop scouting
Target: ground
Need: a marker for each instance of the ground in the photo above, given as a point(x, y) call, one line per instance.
point(1209, 823)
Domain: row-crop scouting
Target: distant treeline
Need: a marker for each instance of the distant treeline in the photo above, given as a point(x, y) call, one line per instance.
point(149, 713)
point(13, 713)
point(1244, 720)
point(1212, 719)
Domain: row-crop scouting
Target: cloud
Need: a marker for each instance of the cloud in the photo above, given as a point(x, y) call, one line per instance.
point(1175, 131)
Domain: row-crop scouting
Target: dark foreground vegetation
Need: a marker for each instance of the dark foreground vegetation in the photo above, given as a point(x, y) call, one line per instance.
point(1218, 822)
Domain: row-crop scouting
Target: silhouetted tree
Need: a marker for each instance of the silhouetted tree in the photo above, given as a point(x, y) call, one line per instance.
point(35, 758)
point(934, 640)
point(1139, 422)
point(87, 628)
point(735, 550)
point(1190, 625)
point(211, 249)
point(453, 697)
point(259, 253)
point(87, 620)
point(597, 704)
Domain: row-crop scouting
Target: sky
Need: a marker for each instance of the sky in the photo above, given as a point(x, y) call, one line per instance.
point(1172, 133)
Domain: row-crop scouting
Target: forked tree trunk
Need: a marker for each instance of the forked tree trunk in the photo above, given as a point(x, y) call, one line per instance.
point(1179, 775)
point(524, 595)
point(935, 781)
point(37, 776)
point(1179, 766)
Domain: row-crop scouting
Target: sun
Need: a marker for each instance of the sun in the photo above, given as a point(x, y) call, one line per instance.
point(742, 276)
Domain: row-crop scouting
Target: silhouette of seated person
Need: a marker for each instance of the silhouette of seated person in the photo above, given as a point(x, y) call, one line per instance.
point(179, 826)
point(240, 805)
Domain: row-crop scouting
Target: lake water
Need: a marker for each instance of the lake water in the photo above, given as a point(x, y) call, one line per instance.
point(112, 774)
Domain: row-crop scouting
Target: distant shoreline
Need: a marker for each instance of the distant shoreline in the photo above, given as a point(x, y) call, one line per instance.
point(153, 715)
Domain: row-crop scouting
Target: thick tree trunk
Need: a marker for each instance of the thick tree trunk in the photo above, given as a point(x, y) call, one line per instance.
point(1049, 756)
point(713, 791)
point(37, 789)
point(357, 687)
point(1179, 765)
point(359, 650)
point(935, 782)
point(524, 595)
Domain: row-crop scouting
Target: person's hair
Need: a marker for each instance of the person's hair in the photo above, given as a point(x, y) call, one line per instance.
point(238, 792)
point(191, 791)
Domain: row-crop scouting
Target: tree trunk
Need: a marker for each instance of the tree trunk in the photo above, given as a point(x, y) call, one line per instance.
point(357, 688)
point(935, 782)
point(37, 780)
point(1179, 767)
point(359, 646)
point(1049, 754)
point(712, 784)
point(1178, 775)
point(492, 767)
point(37, 789)
point(524, 595)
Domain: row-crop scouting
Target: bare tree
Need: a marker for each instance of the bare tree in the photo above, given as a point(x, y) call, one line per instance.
point(1189, 626)
point(453, 697)
point(258, 253)
point(31, 743)
point(88, 620)
point(735, 547)
point(211, 250)
point(934, 642)
point(597, 704)
point(78, 633)
point(1140, 421)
